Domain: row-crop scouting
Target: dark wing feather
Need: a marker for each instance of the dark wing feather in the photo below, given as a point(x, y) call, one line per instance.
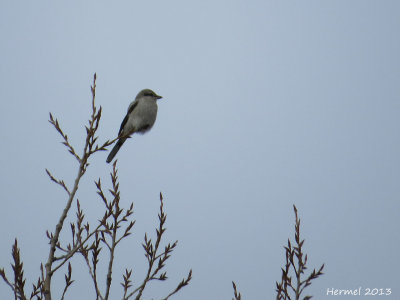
point(127, 117)
point(123, 124)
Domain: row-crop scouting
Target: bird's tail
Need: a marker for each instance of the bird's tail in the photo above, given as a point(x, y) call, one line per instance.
point(115, 150)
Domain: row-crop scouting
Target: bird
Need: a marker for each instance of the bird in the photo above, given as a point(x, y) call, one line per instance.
point(140, 118)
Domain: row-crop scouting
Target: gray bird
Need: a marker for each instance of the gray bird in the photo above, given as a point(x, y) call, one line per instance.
point(140, 118)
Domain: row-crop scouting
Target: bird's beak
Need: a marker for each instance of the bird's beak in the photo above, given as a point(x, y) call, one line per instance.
point(158, 97)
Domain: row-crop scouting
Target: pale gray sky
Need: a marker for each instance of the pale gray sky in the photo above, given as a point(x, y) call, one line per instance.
point(266, 104)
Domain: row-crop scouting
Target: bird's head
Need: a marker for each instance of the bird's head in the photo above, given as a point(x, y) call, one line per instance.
point(148, 93)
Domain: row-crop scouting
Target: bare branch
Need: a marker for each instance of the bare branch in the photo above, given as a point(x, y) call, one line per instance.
point(75, 249)
point(92, 271)
point(19, 281)
point(156, 261)
point(3, 275)
point(115, 214)
point(56, 125)
point(81, 171)
point(68, 280)
point(236, 293)
point(296, 260)
point(182, 284)
point(60, 182)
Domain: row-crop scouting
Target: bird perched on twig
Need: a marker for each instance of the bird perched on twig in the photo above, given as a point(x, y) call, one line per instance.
point(140, 118)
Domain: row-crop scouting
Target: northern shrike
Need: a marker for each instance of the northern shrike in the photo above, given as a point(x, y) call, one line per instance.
point(140, 118)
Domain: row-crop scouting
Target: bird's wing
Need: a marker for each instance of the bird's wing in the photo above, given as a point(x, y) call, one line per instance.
point(130, 109)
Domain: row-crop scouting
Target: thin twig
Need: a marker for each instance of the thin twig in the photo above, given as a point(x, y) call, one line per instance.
point(296, 261)
point(3, 274)
point(116, 213)
point(81, 172)
point(56, 125)
point(94, 279)
point(183, 283)
point(68, 281)
point(75, 249)
point(60, 182)
point(236, 292)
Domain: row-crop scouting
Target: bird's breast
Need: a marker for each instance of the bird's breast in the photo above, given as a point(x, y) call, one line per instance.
point(144, 116)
